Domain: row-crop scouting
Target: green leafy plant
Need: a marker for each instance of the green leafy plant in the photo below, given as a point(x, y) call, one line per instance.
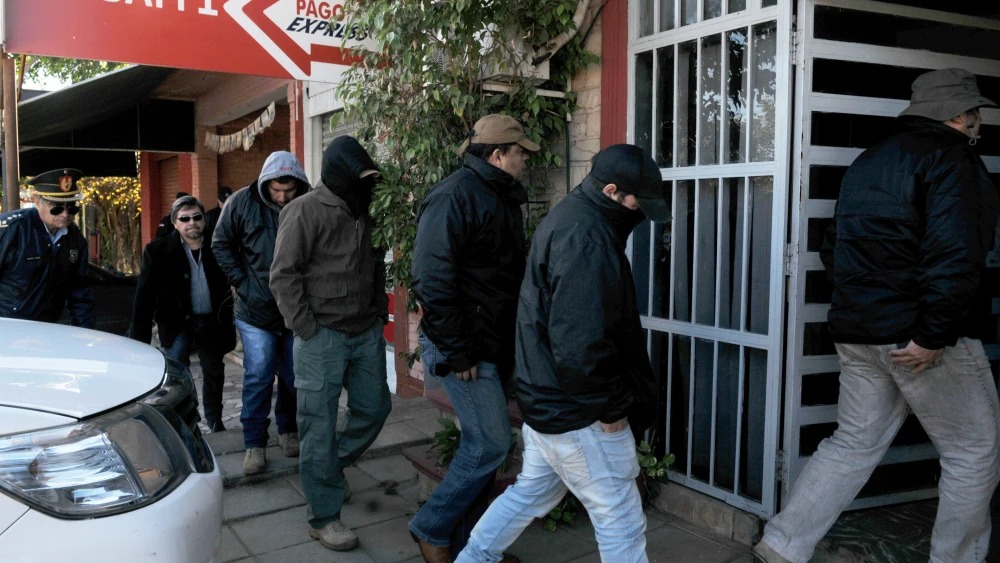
point(564, 514)
point(417, 92)
point(653, 470)
point(446, 441)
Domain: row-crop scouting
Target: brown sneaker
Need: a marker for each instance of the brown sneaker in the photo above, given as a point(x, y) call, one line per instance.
point(254, 461)
point(289, 444)
point(335, 536)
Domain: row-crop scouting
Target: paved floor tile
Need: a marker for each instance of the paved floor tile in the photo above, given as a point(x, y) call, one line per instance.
point(258, 498)
point(671, 544)
point(375, 506)
point(536, 544)
point(388, 542)
point(270, 532)
point(394, 467)
point(394, 438)
point(230, 547)
point(314, 552)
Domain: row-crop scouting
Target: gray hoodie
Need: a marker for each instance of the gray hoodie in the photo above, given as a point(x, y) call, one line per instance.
point(243, 242)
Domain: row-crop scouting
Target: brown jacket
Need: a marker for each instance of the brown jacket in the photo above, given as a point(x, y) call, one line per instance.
point(325, 270)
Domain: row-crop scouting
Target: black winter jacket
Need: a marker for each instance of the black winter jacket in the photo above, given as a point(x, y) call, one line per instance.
point(163, 294)
point(37, 282)
point(243, 244)
point(581, 354)
point(468, 261)
point(907, 249)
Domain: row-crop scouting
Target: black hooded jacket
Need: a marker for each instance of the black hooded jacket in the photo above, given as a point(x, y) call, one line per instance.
point(907, 249)
point(326, 271)
point(468, 262)
point(581, 354)
point(243, 243)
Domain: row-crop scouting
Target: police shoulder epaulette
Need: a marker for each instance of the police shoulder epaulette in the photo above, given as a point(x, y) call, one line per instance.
point(11, 219)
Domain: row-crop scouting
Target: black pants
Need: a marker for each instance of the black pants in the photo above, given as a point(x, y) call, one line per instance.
point(203, 332)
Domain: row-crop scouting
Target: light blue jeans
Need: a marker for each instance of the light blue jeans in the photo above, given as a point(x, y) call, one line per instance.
point(457, 502)
point(266, 353)
point(598, 467)
point(956, 403)
point(326, 364)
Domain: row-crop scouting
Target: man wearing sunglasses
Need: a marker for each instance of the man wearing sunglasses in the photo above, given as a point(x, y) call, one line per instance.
point(243, 244)
point(182, 288)
point(43, 255)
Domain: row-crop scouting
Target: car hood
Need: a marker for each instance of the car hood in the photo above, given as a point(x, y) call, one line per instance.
point(72, 371)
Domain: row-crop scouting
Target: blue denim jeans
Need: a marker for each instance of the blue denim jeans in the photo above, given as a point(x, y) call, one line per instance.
point(204, 333)
point(324, 365)
point(598, 467)
point(266, 353)
point(956, 403)
point(481, 407)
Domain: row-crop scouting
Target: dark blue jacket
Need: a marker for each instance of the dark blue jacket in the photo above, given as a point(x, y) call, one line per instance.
point(581, 350)
point(243, 244)
point(37, 281)
point(468, 261)
point(907, 249)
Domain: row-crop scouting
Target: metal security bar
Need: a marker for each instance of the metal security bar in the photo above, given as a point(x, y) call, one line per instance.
point(711, 102)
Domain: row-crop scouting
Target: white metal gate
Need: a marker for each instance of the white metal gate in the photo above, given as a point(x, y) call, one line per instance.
point(710, 84)
point(854, 63)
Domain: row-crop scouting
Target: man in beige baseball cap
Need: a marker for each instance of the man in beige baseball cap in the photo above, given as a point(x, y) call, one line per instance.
point(468, 262)
point(497, 129)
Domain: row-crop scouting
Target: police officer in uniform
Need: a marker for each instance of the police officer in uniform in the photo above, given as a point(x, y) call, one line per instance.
point(43, 255)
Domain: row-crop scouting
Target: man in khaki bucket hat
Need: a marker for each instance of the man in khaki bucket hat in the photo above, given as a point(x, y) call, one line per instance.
point(906, 254)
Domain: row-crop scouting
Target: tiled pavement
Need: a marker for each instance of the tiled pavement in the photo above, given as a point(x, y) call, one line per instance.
point(265, 516)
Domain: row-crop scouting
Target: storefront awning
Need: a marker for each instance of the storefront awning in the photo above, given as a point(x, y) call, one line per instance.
point(98, 125)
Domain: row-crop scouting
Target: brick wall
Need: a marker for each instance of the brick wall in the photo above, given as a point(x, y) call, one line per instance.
point(239, 168)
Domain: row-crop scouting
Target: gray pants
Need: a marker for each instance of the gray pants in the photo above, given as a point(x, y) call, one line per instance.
point(956, 403)
point(324, 365)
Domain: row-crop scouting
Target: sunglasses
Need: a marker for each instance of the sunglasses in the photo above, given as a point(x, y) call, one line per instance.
point(186, 218)
point(58, 209)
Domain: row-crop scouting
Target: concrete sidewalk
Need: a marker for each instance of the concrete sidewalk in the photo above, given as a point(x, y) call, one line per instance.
point(265, 519)
point(265, 515)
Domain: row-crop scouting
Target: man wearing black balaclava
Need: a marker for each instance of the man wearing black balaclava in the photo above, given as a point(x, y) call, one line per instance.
point(329, 282)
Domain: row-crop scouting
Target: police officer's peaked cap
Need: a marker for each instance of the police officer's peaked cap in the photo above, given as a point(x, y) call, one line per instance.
point(58, 185)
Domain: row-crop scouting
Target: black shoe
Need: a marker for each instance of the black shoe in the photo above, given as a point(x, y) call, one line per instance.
point(215, 426)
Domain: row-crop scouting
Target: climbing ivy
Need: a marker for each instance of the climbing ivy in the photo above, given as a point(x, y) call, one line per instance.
point(417, 92)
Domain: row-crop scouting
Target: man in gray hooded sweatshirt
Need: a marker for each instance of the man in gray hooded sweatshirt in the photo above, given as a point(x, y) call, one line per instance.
point(243, 244)
point(329, 282)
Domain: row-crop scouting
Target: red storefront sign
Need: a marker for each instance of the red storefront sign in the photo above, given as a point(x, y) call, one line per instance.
point(298, 39)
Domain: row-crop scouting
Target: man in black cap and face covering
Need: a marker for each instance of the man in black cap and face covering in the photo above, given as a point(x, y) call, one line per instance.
point(906, 253)
point(583, 379)
point(43, 255)
point(329, 283)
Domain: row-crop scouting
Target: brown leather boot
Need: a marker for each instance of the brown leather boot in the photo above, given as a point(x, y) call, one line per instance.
point(433, 553)
point(510, 558)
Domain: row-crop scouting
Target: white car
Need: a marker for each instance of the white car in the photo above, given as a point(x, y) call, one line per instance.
point(101, 458)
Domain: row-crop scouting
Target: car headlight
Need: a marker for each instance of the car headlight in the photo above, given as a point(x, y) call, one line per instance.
point(106, 465)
